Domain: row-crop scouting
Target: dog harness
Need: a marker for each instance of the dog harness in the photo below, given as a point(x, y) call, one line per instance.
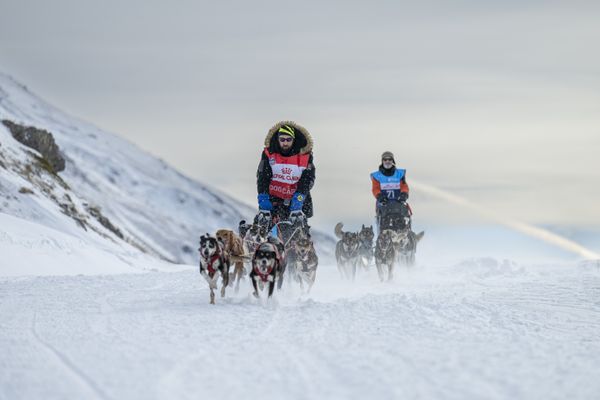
point(263, 277)
point(211, 262)
point(286, 173)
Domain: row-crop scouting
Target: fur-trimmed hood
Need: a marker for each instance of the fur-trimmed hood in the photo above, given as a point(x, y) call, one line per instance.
point(303, 143)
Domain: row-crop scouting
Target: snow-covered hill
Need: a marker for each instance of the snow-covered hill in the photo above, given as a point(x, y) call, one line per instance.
point(110, 190)
point(32, 249)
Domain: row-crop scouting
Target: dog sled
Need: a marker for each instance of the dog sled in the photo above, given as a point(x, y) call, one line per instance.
point(396, 217)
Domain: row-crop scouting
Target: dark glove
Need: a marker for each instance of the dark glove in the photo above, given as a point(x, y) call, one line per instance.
point(297, 201)
point(264, 202)
point(382, 198)
point(403, 196)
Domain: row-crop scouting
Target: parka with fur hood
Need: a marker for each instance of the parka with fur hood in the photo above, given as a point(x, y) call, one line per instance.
point(303, 144)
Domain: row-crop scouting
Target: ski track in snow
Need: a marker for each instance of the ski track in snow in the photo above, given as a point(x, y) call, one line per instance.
point(475, 330)
point(64, 361)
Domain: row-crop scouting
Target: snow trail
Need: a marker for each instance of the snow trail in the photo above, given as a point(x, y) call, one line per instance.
point(67, 364)
point(481, 328)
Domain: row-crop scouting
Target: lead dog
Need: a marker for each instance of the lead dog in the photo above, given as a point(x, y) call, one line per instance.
point(346, 252)
point(365, 247)
point(213, 263)
point(233, 247)
point(266, 268)
point(385, 255)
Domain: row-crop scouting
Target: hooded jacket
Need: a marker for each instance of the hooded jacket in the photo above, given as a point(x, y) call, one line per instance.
point(299, 158)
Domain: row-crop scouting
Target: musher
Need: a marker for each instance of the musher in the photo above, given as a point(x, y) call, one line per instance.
point(285, 175)
point(389, 185)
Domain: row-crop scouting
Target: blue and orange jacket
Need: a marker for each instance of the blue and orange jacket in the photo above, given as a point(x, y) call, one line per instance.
point(392, 182)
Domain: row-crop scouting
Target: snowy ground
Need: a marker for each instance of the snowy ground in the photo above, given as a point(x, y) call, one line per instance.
point(479, 329)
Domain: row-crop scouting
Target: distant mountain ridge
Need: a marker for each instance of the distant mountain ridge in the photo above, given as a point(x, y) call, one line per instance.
point(109, 187)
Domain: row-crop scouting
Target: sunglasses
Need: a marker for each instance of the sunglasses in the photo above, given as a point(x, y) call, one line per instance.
point(286, 139)
point(388, 159)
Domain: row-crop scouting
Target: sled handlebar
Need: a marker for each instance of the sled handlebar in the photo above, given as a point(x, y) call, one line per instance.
point(300, 227)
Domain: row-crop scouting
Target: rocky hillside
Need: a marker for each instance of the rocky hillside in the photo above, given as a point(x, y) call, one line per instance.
point(69, 175)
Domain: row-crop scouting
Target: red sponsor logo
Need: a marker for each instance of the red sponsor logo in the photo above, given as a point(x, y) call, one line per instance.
point(285, 192)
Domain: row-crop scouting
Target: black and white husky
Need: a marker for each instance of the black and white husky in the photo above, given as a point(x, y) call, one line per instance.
point(213, 263)
point(266, 268)
point(254, 235)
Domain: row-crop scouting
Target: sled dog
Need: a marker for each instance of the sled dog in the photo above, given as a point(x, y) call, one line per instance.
point(213, 262)
point(346, 252)
point(405, 245)
point(365, 247)
point(385, 255)
point(303, 262)
point(243, 227)
point(266, 268)
point(233, 247)
point(254, 236)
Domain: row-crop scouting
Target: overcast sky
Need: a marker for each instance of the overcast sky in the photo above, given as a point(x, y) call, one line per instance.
point(498, 102)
